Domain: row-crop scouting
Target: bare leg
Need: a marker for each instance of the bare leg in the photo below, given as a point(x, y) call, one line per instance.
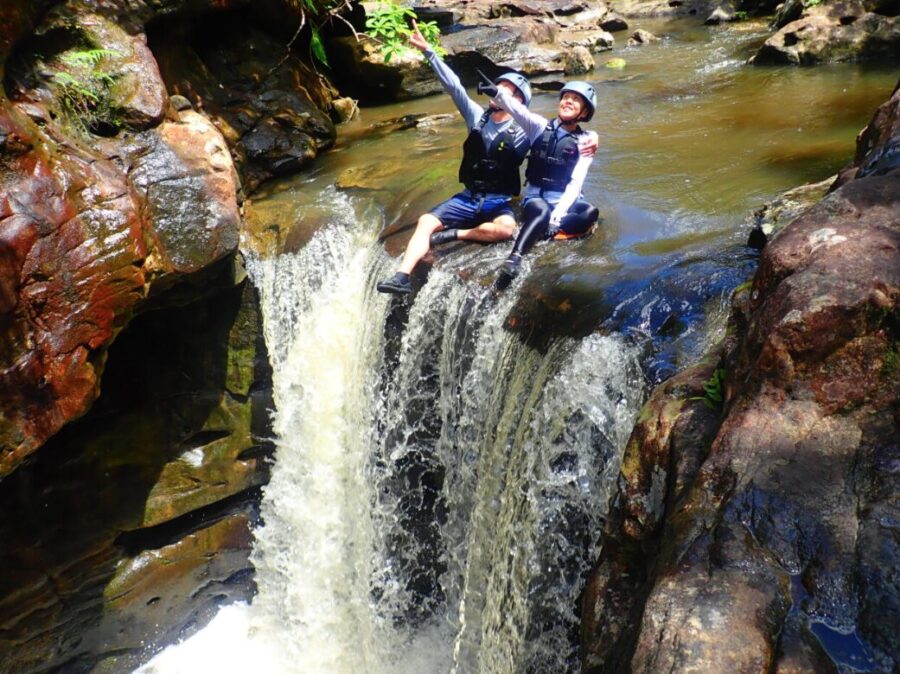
point(419, 245)
point(502, 228)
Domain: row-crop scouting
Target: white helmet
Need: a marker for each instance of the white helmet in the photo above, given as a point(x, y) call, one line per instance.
point(586, 91)
point(520, 82)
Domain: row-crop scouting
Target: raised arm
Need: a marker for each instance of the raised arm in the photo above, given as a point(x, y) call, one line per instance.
point(532, 123)
point(469, 109)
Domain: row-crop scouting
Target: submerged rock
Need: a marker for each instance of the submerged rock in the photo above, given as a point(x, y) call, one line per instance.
point(641, 36)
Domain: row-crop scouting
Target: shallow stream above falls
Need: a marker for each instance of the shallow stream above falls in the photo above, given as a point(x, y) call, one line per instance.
point(444, 464)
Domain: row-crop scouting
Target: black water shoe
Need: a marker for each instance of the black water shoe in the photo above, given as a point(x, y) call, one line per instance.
point(398, 284)
point(444, 236)
point(512, 265)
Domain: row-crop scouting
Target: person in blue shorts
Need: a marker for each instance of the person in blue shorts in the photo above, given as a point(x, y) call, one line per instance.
point(492, 154)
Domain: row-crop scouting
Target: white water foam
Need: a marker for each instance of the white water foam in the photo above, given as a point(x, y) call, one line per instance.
point(312, 554)
point(520, 447)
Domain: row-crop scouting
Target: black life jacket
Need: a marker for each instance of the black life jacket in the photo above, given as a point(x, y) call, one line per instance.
point(494, 170)
point(553, 159)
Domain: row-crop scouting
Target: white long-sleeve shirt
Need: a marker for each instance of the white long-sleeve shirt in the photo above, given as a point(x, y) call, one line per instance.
point(534, 124)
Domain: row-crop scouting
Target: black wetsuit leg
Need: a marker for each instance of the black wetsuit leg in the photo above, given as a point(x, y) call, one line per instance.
point(580, 218)
point(535, 222)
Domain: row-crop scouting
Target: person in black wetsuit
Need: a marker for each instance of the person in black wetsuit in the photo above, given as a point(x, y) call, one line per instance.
point(553, 206)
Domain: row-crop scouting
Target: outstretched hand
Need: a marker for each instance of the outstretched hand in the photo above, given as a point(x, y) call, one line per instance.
point(588, 144)
point(485, 85)
point(417, 40)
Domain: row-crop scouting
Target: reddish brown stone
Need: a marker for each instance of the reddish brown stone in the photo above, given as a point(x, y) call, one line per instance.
point(795, 503)
point(69, 270)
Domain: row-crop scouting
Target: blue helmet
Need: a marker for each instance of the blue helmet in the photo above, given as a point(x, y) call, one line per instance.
point(520, 82)
point(586, 91)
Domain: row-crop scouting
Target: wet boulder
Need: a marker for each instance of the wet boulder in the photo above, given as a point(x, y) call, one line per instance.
point(592, 43)
point(184, 172)
point(553, 7)
point(578, 61)
point(613, 23)
point(272, 109)
point(533, 48)
point(635, 9)
point(843, 31)
point(366, 75)
point(776, 214)
point(788, 12)
point(138, 92)
point(642, 36)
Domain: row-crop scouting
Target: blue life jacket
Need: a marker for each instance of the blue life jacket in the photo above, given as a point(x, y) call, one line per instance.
point(553, 158)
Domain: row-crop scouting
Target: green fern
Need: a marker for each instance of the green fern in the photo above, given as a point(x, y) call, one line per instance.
point(87, 58)
point(82, 86)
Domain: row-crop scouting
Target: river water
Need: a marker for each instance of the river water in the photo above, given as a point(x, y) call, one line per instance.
point(444, 464)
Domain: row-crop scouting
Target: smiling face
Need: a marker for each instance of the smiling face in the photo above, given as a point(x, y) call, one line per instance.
point(571, 107)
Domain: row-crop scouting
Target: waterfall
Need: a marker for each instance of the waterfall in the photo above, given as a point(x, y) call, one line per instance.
point(438, 484)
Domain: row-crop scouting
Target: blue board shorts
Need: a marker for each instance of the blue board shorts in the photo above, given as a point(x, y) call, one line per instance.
point(466, 210)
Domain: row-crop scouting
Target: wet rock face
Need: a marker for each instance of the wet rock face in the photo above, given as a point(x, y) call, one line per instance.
point(125, 513)
point(843, 31)
point(100, 207)
point(83, 246)
point(758, 539)
point(271, 108)
point(132, 525)
point(72, 266)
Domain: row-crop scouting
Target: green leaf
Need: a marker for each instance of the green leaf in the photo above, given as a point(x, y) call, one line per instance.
point(318, 49)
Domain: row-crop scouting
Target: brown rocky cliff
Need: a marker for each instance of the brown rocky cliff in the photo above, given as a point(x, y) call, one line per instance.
point(134, 399)
point(113, 196)
point(84, 238)
point(742, 541)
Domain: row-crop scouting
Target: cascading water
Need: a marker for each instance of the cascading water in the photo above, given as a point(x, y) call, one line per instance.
point(438, 483)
